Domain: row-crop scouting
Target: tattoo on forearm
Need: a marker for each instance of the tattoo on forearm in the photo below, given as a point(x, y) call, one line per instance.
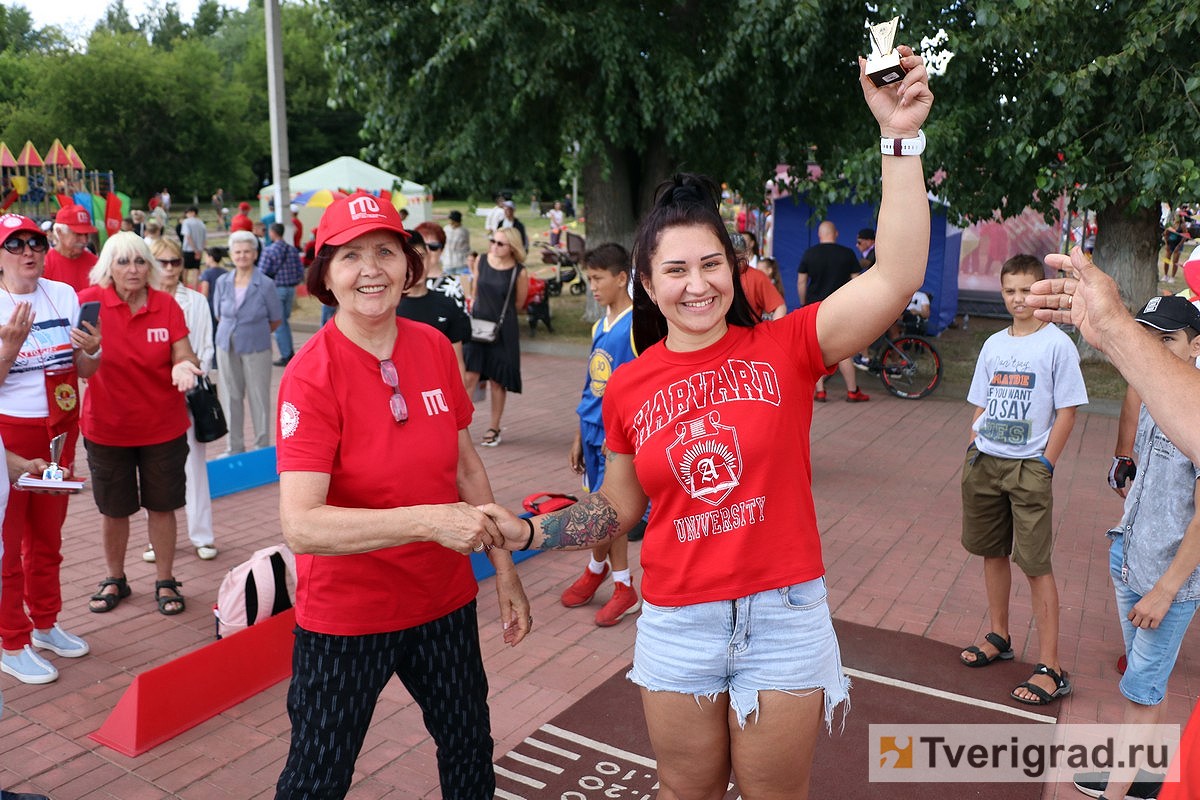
point(589, 521)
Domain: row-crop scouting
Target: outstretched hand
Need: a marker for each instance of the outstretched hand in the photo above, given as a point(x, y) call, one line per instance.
point(183, 375)
point(899, 108)
point(1089, 300)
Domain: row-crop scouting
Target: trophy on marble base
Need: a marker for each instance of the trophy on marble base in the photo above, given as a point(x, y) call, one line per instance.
point(883, 67)
point(54, 472)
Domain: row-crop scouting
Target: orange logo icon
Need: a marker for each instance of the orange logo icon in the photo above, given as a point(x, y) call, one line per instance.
point(896, 752)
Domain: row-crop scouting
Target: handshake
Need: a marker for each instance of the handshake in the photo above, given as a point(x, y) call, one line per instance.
point(479, 528)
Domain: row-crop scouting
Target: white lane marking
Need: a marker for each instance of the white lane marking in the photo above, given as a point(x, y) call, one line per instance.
point(959, 698)
point(519, 778)
point(533, 762)
point(608, 749)
point(549, 748)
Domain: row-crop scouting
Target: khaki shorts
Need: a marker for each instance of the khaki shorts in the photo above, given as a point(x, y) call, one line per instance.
point(1007, 508)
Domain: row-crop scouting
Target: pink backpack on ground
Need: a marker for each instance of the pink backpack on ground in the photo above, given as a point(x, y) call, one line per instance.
point(258, 588)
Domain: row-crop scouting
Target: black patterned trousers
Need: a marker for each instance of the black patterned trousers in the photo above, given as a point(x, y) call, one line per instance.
point(336, 682)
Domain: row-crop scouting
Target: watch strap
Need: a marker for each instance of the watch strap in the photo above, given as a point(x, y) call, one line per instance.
point(903, 147)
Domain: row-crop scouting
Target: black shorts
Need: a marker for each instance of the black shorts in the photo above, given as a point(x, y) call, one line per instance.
point(191, 260)
point(125, 479)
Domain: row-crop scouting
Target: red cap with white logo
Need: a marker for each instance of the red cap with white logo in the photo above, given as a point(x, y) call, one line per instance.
point(352, 216)
point(76, 218)
point(15, 223)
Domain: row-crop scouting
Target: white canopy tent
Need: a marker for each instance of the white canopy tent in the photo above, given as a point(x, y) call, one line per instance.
point(351, 174)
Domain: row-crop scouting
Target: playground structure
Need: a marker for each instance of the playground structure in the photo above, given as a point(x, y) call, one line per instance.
point(38, 186)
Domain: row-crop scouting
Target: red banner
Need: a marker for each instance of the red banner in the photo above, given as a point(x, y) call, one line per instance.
point(113, 214)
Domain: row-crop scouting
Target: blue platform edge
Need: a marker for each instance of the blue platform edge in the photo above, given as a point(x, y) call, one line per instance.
point(232, 474)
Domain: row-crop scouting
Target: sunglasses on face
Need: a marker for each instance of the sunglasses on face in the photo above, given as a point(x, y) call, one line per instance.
point(498, 243)
point(396, 403)
point(433, 245)
point(171, 262)
point(38, 244)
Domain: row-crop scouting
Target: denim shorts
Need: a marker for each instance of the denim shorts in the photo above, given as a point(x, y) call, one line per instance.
point(777, 640)
point(1150, 652)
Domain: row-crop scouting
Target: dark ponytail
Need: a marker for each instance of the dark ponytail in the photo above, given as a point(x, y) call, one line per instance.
point(686, 199)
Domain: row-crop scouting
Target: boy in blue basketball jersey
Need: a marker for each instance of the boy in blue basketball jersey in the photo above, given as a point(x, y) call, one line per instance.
point(608, 273)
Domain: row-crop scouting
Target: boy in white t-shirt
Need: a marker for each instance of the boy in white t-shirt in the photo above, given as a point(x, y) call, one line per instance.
point(1026, 387)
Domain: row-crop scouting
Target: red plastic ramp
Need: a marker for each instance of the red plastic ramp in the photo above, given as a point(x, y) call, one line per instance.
point(218, 676)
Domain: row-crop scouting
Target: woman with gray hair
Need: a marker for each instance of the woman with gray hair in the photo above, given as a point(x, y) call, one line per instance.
point(248, 310)
point(135, 420)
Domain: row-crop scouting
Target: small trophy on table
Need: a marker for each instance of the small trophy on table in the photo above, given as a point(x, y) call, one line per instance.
point(883, 67)
point(54, 472)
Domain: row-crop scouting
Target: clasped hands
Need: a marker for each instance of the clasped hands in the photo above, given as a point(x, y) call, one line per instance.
point(479, 528)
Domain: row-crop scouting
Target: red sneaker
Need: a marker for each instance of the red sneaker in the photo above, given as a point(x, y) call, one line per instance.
point(818, 397)
point(857, 396)
point(581, 591)
point(624, 601)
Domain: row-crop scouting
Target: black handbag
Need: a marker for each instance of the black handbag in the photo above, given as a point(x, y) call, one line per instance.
point(208, 418)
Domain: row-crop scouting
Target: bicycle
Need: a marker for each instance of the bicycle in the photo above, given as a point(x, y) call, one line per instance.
point(909, 366)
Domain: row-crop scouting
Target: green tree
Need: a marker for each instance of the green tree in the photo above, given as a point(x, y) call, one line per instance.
point(1097, 100)
point(152, 117)
point(481, 94)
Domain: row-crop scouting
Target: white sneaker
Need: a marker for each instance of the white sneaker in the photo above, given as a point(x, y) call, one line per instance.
point(28, 667)
point(206, 552)
point(58, 641)
point(148, 554)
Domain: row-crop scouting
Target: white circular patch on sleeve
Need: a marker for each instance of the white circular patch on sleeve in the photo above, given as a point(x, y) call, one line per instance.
point(289, 419)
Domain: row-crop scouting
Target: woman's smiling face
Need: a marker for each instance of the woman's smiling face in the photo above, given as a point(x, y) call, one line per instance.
point(367, 274)
point(691, 282)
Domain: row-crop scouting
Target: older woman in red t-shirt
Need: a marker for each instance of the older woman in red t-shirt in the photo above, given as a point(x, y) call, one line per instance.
point(378, 488)
point(135, 421)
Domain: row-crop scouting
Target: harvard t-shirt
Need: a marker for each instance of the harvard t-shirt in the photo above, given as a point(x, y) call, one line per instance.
point(335, 418)
point(720, 439)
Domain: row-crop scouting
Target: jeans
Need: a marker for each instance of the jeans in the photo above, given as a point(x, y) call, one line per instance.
point(283, 334)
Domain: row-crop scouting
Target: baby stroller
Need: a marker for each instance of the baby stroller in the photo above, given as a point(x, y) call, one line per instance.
point(537, 305)
point(565, 261)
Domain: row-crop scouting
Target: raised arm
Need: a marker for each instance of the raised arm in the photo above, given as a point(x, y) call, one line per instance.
point(856, 314)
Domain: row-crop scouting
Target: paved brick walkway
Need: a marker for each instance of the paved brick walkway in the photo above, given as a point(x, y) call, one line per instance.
point(888, 502)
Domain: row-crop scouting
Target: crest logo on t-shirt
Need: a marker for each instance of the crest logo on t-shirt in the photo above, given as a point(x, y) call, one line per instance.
point(706, 458)
point(289, 419)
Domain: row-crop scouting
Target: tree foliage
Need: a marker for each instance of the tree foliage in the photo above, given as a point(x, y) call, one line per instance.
point(483, 95)
point(160, 101)
point(1097, 100)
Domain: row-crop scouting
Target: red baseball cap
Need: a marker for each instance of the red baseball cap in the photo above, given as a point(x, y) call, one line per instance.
point(15, 223)
point(352, 216)
point(1191, 272)
point(243, 206)
point(76, 218)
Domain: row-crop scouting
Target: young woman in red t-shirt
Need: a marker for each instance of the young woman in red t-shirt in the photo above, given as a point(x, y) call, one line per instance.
point(735, 642)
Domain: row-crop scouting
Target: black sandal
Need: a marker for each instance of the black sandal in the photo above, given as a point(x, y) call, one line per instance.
point(981, 659)
point(1062, 688)
point(174, 597)
point(109, 600)
point(491, 438)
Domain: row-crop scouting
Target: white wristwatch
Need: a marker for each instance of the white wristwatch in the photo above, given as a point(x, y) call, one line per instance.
point(903, 147)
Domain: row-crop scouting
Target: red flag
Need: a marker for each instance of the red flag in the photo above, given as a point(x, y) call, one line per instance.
point(8, 201)
point(113, 214)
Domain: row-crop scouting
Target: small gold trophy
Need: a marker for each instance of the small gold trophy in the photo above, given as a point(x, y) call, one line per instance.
point(883, 67)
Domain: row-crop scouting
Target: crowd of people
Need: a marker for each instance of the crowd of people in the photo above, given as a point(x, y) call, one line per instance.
point(382, 489)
